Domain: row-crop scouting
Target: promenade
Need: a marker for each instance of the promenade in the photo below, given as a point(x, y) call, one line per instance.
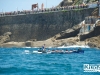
point(48, 10)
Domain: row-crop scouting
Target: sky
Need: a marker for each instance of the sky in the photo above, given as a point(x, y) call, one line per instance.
point(14, 5)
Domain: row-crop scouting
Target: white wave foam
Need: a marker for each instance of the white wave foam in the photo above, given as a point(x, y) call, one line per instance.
point(37, 52)
point(26, 51)
point(30, 47)
point(26, 47)
point(75, 46)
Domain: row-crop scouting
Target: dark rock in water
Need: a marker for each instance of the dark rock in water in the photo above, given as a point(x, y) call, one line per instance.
point(99, 47)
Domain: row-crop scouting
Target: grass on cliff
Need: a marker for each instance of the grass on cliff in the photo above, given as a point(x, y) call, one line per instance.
point(76, 2)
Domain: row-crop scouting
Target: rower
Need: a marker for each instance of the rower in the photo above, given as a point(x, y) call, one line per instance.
point(79, 49)
point(43, 47)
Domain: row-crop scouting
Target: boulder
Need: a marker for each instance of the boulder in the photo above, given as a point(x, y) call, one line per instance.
point(65, 3)
point(28, 43)
point(7, 33)
point(91, 44)
point(72, 32)
point(5, 37)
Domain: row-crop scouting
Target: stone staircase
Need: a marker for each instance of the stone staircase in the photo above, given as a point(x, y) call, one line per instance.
point(94, 32)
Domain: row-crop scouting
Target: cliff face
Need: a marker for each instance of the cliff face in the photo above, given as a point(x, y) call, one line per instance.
point(75, 2)
point(66, 2)
point(41, 26)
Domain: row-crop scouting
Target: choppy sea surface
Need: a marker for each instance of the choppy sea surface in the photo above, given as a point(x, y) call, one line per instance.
point(15, 61)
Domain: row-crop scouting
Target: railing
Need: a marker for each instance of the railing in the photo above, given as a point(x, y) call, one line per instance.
point(57, 9)
point(67, 8)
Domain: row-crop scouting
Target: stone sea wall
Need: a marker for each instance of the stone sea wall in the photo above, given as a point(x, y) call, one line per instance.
point(41, 26)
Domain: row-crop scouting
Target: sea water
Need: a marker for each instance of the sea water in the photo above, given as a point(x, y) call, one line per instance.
point(22, 61)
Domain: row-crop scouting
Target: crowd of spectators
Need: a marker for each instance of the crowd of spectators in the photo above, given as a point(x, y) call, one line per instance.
point(53, 9)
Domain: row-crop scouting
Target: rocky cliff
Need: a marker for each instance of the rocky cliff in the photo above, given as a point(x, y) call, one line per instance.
point(5, 37)
point(75, 2)
point(41, 26)
point(66, 3)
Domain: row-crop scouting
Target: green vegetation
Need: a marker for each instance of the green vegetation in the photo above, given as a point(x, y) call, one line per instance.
point(76, 2)
point(91, 1)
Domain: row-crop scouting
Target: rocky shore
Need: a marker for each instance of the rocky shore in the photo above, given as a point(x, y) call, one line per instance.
point(92, 42)
point(65, 38)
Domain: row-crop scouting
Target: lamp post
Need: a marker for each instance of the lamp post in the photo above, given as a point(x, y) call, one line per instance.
point(2, 12)
point(46, 3)
point(17, 10)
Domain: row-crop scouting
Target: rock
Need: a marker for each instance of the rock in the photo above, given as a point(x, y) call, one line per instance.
point(13, 44)
point(53, 39)
point(28, 43)
point(33, 39)
point(5, 37)
point(72, 32)
point(7, 33)
point(91, 44)
point(65, 3)
point(70, 42)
